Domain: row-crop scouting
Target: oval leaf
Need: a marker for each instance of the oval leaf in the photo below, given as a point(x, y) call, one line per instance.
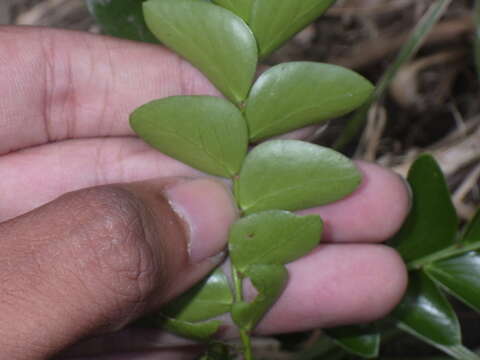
point(269, 280)
point(291, 16)
point(242, 8)
point(432, 224)
point(213, 39)
point(359, 340)
point(205, 132)
point(293, 95)
point(460, 277)
point(272, 237)
point(217, 351)
point(194, 331)
point(122, 18)
point(293, 175)
point(426, 313)
point(210, 298)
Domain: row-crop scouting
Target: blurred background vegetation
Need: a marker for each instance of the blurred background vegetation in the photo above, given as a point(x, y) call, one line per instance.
point(432, 105)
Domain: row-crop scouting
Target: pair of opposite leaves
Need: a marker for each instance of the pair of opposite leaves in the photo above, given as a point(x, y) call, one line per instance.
point(286, 97)
point(124, 18)
point(211, 135)
point(225, 44)
point(222, 46)
point(259, 247)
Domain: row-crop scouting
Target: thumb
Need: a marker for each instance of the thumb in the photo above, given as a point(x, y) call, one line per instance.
point(94, 260)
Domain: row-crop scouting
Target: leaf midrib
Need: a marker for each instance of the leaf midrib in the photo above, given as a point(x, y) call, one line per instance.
point(273, 124)
point(293, 188)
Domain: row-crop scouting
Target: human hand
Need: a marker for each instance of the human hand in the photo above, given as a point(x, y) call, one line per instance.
point(77, 263)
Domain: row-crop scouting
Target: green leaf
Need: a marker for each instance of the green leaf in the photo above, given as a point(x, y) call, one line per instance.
point(269, 280)
point(293, 175)
point(195, 331)
point(472, 234)
point(242, 8)
point(359, 340)
point(291, 16)
point(296, 94)
point(210, 298)
point(426, 313)
point(459, 276)
point(323, 348)
point(433, 222)
point(272, 237)
point(213, 39)
point(206, 132)
point(217, 351)
point(122, 18)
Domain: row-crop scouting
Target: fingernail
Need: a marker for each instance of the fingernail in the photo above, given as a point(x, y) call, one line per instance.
point(206, 206)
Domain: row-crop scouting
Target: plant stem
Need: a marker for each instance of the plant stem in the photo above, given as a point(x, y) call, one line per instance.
point(237, 284)
point(457, 249)
point(244, 334)
point(459, 352)
point(247, 345)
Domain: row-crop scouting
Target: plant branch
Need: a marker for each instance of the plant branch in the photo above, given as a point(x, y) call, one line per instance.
point(454, 250)
point(244, 334)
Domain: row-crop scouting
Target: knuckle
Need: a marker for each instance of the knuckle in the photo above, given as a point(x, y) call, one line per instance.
point(110, 246)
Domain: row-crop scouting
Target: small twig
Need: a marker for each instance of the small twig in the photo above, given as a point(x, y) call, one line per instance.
point(36, 13)
point(450, 158)
point(405, 86)
point(379, 8)
point(467, 128)
point(56, 13)
point(372, 135)
point(376, 50)
point(466, 211)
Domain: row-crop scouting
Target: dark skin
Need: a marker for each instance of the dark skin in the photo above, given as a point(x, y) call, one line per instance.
point(82, 258)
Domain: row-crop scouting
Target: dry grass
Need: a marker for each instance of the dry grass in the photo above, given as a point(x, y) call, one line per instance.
point(71, 14)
